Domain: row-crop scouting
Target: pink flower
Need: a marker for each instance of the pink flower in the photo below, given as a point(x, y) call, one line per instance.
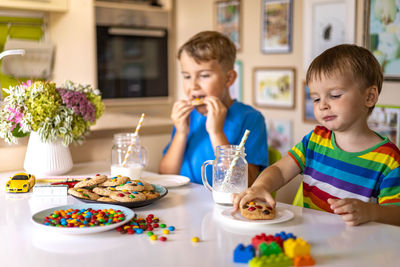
point(16, 117)
point(27, 84)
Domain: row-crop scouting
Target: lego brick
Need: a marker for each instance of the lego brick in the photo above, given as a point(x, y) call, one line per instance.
point(243, 254)
point(297, 247)
point(275, 260)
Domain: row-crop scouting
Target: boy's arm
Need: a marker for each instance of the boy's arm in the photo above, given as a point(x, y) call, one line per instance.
point(270, 180)
point(171, 163)
point(355, 212)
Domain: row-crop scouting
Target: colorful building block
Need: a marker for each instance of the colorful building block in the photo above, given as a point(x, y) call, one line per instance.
point(263, 238)
point(297, 247)
point(285, 235)
point(303, 261)
point(243, 254)
point(269, 249)
point(275, 260)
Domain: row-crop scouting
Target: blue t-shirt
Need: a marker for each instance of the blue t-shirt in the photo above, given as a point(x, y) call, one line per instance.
point(238, 118)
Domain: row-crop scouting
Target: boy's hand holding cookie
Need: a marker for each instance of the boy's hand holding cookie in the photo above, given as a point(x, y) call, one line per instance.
point(353, 211)
point(216, 114)
point(252, 193)
point(180, 115)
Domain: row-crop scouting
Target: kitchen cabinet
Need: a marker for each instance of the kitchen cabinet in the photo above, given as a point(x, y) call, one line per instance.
point(38, 5)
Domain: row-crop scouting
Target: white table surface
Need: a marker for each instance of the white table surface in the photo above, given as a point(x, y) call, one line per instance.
point(191, 210)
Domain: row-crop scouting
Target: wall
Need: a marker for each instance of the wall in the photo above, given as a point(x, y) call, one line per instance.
point(193, 16)
point(73, 34)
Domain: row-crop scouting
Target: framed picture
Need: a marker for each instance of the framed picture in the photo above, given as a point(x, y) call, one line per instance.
point(274, 87)
point(236, 90)
point(308, 105)
point(382, 35)
point(327, 23)
point(385, 120)
point(280, 134)
point(227, 20)
point(276, 33)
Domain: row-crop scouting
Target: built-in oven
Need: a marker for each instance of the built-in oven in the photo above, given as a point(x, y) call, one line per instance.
point(132, 53)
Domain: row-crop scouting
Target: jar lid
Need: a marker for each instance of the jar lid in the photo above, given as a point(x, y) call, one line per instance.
point(126, 138)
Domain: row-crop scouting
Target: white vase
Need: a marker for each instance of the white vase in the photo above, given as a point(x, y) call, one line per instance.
point(46, 158)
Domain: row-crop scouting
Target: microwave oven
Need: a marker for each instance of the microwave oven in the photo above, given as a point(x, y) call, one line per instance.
point(132, 53)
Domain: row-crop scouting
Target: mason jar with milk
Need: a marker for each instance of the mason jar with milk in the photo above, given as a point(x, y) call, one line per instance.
point(128, 157)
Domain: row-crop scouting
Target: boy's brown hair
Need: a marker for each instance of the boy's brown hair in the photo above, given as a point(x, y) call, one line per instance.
point(210, 45)
point(347, 59)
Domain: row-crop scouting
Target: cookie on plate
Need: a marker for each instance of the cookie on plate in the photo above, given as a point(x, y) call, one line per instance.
point(114, 181)
point(147, 186)
point(131, 186)
point(103, 191)
point(257, 211)
point(150, 194)
point(83, 193)
point(127, 196)
point(106, 199)
point(89, 182)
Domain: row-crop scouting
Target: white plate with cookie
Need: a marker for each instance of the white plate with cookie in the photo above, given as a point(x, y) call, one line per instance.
point(281, 215)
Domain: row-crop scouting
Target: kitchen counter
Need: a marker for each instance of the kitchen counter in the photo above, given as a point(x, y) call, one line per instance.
point(191, 210)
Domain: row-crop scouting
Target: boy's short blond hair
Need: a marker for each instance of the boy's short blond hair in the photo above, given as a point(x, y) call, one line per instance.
point(348, 60)
point(210, 45)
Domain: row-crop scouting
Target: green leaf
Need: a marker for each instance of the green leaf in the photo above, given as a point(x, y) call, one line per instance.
point(17, 132)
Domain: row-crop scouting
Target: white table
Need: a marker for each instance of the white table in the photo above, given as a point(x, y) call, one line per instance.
point(191, 210)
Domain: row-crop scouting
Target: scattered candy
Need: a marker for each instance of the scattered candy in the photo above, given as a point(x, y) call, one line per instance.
point(171, 228)
point(165, 231)
point(195, 239)
point(153, 237)
point(163, 238)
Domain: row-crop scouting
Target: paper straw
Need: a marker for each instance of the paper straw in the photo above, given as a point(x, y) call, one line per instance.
point(135, 134)
point(235, 159)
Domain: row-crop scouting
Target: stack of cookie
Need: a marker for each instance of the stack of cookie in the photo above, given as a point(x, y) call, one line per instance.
point(115, 189)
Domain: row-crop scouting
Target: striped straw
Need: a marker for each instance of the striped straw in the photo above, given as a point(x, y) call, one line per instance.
point(129, 151)
point(235, 159)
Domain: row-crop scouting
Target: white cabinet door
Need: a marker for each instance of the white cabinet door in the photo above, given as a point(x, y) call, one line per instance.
point(42, 5)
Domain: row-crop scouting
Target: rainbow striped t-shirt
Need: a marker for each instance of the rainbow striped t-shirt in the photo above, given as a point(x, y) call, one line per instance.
point(372, 175)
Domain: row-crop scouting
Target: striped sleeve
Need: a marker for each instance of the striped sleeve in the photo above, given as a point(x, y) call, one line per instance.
point(389, 190)
point(298, 152)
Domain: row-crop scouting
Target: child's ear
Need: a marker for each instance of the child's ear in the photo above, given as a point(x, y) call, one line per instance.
point(230, 78)
point(371, 96)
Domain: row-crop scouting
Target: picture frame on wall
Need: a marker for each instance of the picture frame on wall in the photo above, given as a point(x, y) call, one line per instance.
point(274, 87)
point(236, 90)
point(228, 20)
point(276, 26)
point(327, 23)
point(385, 120)
point(382, 18)
point(280, 133)
point(308, 105)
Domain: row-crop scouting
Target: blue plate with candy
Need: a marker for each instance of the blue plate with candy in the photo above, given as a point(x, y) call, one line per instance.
point(52, 219)
point(157, 188)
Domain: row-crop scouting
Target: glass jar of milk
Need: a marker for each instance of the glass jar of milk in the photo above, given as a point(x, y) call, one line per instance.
point(128, 157)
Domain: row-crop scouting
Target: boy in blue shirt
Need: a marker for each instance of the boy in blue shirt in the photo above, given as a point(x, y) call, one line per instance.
point(209, 117)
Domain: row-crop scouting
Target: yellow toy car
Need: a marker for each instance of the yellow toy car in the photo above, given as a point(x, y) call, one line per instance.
point(20, 183)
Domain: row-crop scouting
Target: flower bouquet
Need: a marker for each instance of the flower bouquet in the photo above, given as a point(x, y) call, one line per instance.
point(65, 112)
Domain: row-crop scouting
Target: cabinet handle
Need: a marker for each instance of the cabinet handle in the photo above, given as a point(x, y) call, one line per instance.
point(136, 32)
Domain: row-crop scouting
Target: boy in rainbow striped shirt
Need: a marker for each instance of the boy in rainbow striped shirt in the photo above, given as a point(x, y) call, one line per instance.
point(347, 168)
